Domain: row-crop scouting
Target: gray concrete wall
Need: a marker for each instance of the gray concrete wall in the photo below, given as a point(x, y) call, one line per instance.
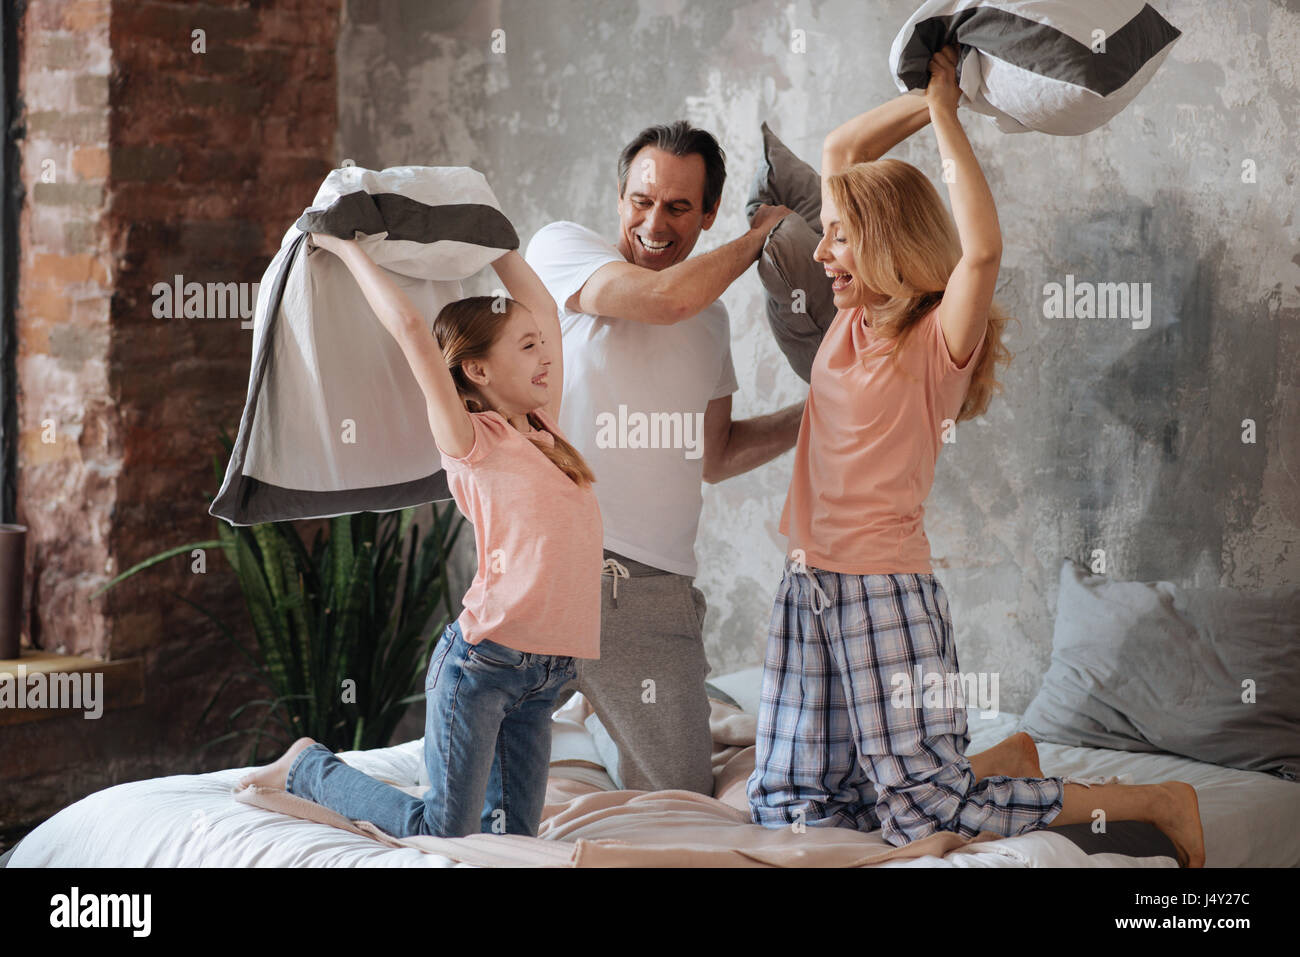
point(1106, 437)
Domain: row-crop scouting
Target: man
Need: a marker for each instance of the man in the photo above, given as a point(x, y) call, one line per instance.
point(648, 379)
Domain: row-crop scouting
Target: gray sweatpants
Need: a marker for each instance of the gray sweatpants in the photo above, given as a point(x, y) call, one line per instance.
point(647, 686)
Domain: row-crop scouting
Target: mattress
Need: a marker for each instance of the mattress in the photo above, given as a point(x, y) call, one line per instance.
point(1249, 818)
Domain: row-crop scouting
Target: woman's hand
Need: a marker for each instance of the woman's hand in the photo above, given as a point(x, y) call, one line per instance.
point(942, 91)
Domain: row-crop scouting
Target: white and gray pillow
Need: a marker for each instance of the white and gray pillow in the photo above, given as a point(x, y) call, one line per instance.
point(334, 421)
point(1150, 666)
point(1037, 64)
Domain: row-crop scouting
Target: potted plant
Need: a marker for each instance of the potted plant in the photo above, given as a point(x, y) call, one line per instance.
point(343, 638)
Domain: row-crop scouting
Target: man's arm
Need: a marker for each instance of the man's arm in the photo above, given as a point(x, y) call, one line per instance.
point(872, 134)
point(666, 296)
point(732, 447)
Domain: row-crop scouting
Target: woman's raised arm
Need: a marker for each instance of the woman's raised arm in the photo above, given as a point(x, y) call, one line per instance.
point(964, 311)
point(453, 430)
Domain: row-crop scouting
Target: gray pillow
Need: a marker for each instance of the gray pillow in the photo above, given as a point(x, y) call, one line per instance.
point(1149, 666)
point(800, 306)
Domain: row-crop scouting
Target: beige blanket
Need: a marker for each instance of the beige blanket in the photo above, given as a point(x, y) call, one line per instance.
point(586, 825)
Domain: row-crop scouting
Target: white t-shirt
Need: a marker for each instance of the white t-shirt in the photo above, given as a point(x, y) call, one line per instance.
point(634, 401)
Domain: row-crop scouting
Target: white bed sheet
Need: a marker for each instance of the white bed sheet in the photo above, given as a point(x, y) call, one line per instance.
point(1250, 819)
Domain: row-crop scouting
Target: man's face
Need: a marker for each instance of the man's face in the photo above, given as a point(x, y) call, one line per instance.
point(661, 211)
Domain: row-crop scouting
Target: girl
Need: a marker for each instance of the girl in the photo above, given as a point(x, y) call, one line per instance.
point(859, 613)
point(493, 385)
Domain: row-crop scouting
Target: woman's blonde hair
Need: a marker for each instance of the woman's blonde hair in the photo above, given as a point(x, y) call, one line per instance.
point(905, 246)
point(466, 330)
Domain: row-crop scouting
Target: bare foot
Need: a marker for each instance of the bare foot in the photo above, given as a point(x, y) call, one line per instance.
point(1016, 757)
point(1180, 819)
point(1026, 759)
point(276, 774)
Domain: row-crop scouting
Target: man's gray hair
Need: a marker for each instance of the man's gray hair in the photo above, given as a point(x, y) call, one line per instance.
point(680, 139)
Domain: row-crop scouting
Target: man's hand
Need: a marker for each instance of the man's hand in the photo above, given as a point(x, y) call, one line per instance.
point(766, 217)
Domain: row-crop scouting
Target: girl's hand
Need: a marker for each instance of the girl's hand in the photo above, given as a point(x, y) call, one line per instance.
point(325, 241)
point(942, 91)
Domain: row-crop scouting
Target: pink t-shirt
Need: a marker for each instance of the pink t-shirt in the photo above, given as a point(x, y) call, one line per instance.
point(539, 540)
point(864, 462)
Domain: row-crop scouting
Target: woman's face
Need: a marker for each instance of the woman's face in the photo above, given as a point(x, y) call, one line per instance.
point(517, 366)
point(834, 253)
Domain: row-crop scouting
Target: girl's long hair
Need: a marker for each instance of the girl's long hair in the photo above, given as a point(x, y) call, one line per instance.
point(465, 330)
point(905, 246)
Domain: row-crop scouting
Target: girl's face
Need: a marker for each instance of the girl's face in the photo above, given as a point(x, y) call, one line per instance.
point(517, 366)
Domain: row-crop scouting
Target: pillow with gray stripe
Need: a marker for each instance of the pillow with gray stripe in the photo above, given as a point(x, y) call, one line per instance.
point(334, 421)
point(1062, 67)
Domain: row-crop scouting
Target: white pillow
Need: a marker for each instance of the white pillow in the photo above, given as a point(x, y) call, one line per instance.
point(1062, 67)
point(427, 222)
point(334, 420)
point(571, 736)
point(606, 748)
point(743, 687)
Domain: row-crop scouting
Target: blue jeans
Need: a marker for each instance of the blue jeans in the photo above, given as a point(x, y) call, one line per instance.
point(487, 747)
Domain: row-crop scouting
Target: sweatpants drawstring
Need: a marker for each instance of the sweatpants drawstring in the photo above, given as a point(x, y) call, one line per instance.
point(614, 567)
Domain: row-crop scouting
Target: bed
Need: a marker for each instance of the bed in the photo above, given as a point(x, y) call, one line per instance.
point(1250, 818)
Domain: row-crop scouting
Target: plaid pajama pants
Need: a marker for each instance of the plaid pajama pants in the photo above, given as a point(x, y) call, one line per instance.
point(834, 746)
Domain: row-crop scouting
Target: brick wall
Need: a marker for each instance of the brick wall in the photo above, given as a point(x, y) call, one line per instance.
point(144, 158)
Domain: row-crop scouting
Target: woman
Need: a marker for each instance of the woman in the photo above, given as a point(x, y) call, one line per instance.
point(493, 384)
point(858, 610)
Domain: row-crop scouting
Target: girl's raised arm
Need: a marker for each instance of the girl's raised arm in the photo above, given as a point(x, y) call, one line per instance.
point(526, 287)
point(452, 427)
point(964, 311)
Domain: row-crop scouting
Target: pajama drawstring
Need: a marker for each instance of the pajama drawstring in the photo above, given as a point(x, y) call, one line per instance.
point(613, 567)
point(820, 601)
point(1100, 779)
